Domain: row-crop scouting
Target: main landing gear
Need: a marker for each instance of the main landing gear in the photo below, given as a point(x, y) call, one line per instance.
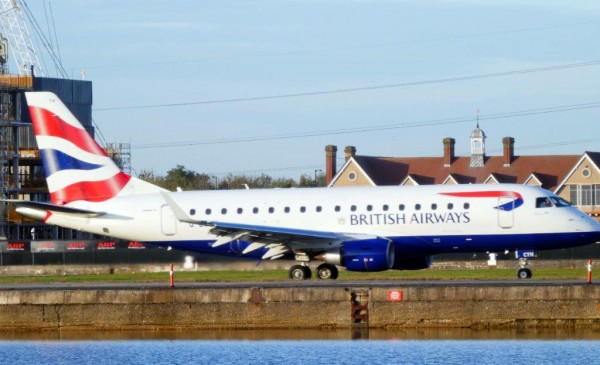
point(303, 272)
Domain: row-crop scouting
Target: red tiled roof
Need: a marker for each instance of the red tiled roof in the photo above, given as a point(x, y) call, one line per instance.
point(549, 169)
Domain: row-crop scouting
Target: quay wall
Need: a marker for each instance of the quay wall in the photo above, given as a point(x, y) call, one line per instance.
point(450, 306)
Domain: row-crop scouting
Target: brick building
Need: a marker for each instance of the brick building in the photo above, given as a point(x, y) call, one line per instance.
point(575, 178)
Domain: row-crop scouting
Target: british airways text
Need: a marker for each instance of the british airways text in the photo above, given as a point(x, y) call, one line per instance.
point(415, 218)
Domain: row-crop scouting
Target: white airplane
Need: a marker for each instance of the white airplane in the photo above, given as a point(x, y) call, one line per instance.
point(359, 228)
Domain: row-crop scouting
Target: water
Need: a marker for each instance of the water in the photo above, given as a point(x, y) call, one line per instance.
point(394, 349)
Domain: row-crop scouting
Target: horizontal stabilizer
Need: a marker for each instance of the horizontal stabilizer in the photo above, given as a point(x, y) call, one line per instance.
point(45, 207)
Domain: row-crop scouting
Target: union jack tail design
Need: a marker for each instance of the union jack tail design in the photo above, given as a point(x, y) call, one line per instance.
point(76, 167)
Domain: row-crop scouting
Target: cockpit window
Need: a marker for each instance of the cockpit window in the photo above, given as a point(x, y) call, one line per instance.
point(543, 203)
point(560, 202)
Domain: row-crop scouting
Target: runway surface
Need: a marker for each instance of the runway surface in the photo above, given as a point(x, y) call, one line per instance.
point(292, 284)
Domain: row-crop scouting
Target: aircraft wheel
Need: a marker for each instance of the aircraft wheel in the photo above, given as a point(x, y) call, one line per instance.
point(299, 272)
point(327, 271)
point(524, 274)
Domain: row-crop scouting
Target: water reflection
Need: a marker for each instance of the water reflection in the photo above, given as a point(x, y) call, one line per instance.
point(568, 333)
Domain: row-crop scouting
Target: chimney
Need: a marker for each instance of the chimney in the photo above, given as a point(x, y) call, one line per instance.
point(508, 147)
point(330, 159)
point(448, 151)
point(349, 151)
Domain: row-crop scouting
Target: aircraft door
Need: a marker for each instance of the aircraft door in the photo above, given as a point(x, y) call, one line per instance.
point(506, 215)
point(168, 222)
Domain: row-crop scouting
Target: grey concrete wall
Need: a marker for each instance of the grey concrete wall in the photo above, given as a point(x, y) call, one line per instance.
point(306, 308)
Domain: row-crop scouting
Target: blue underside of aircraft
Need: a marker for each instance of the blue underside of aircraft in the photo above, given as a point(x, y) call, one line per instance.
point(420, 246)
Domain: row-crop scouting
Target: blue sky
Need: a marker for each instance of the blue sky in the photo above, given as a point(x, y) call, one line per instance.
point(204, 53)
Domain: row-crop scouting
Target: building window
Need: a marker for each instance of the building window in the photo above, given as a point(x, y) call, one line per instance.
point(352, 176)
point(573, 195)
point(585, 195)
point(586, 172)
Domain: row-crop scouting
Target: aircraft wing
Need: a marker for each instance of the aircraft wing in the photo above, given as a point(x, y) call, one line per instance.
point(278, 240)
point(37, 210)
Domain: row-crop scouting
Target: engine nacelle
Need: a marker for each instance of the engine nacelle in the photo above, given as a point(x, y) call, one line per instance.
point(363, 255)
point(412, 263)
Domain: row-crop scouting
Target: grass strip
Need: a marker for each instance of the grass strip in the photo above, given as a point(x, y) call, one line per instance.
point(278, 275)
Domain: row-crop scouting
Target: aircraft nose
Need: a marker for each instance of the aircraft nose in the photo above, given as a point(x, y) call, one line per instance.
point(592, 226)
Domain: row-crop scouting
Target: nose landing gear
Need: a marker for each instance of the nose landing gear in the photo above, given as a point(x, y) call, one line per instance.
point(523, 272)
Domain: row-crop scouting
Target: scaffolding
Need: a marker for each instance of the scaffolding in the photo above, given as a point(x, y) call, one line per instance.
point(120, 153)
point(16, 30)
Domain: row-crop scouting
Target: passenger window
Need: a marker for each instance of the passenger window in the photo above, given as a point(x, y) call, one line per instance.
point(224, 211)
point(337, 208)
point(369, 208)
point(543, 202)
point(466, 205)
point(353, 208)
point(450, 206)
point(302, 209)
point(255, 210)
point(240, 211)
point(286, 209)
point(417, 206)
point(401, 207)
point(208, 211)
point(192, 211)
point(271, 210)
point(318, 208)
point(385, 207)
point(433, 206)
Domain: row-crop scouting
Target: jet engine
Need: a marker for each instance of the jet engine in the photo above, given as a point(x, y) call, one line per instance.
point(375, 254)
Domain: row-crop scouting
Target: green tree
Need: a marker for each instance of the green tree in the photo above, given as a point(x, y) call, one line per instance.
point(180, 177)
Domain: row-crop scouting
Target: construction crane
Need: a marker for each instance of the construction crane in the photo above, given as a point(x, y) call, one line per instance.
point(14, 27)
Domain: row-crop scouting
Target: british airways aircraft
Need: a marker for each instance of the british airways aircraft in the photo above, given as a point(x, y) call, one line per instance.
point(359, 228)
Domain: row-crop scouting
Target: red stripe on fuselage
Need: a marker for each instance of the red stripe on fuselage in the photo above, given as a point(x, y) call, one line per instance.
point(92, 191)
point(46, 123)
point(486, 194)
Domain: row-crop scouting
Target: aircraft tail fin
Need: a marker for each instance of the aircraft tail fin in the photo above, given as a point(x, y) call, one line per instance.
point(75, 166)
